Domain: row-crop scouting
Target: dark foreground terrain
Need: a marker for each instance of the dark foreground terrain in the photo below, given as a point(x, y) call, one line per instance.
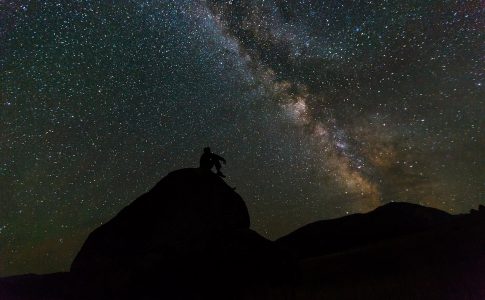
point(189, 238)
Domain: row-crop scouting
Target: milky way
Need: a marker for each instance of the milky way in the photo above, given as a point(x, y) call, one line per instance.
point(321, 108)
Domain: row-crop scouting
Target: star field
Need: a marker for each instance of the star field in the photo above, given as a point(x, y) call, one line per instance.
point(321, 108)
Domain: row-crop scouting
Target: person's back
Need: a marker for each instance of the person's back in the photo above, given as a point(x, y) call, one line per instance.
point(206, 161)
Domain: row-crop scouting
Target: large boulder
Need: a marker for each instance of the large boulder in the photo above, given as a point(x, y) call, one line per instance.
point(188, 237)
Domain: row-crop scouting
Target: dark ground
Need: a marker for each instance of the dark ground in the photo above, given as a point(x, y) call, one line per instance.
point(189, 238)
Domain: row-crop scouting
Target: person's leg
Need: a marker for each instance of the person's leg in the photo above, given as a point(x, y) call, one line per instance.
point(218, 168)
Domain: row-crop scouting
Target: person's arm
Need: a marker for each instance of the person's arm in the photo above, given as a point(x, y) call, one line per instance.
point(220, 158)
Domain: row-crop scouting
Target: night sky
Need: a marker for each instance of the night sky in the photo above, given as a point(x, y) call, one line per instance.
point(321, 108)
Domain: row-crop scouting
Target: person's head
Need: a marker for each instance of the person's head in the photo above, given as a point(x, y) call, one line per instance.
point(207, 150)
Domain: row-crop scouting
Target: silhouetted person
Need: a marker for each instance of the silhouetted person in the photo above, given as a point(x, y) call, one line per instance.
point(209, 159)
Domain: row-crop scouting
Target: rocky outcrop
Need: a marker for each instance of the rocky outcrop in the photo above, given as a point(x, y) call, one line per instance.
point(189, 236)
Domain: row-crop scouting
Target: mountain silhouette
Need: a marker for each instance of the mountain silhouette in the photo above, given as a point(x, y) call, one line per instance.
point(444, 262)
point(189, 237)
point(391, 220)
